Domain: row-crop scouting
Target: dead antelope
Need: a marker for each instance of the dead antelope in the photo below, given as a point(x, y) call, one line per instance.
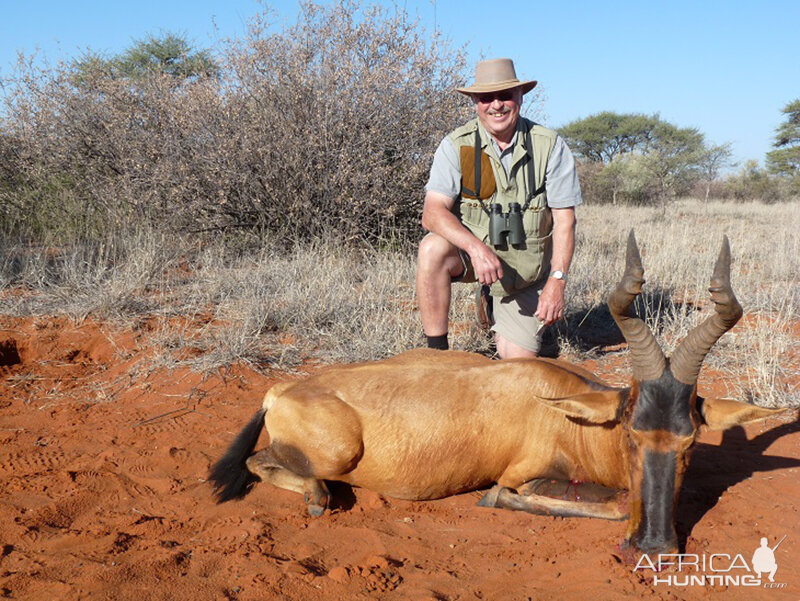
point(428, 424)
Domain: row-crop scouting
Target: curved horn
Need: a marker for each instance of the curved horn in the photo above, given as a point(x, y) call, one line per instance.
point(647, 358)
point(688, 357)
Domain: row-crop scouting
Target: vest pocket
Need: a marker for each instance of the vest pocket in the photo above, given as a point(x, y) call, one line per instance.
point(531, 263)
point(538, 219)
point(534, 265)
point(475, 219)
point(468, 175)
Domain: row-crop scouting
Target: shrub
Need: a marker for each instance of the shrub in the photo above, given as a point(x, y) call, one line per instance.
point(326, 127)
point(622, 181)
point(754, 183)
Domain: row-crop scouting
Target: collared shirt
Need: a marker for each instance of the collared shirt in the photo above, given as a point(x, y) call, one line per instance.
point(561, 179)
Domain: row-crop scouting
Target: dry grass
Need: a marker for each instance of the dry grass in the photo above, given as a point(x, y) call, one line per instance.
point(678, 254)
point(273, 308)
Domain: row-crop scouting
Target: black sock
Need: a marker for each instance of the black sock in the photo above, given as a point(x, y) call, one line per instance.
point(438, 342)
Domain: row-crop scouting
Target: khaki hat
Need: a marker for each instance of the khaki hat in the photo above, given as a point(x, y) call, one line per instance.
point(494, 75)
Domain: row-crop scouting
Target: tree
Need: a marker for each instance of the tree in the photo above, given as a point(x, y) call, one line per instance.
point(754, 183)
point(612, 178)
point(643, 157)
point(672, 159)
point(607, 135)
point(712, 159)
point(168, 54)
point(785, 159)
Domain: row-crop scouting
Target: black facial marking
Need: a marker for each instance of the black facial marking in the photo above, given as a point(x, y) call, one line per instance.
point(658, 495)
point(664, 404)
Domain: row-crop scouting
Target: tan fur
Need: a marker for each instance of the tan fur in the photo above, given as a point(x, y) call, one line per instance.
point(721, 414)
point(428, 424)
point(615, 508)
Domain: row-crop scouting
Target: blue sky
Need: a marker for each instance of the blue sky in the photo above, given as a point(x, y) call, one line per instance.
point(726, 68)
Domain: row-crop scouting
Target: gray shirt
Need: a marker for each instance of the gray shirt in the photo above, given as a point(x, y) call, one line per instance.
point(561, 179)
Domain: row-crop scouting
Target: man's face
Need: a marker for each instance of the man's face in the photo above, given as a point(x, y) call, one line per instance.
point(499, 111)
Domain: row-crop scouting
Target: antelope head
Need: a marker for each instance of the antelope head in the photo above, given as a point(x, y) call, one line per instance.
point(663, 413)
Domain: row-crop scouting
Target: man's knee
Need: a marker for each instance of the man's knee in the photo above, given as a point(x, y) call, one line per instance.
point(510, 350)
point(436, 253)
point(434, 249)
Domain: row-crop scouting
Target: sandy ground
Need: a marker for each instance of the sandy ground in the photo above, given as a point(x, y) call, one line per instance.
point(103, 496)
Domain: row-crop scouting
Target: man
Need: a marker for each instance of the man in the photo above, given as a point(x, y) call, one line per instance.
point(485, 167)
point(764, 559)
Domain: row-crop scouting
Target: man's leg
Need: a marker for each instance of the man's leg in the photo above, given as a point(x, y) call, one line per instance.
point(517, 330)
point(438, 262)
point(508, 350)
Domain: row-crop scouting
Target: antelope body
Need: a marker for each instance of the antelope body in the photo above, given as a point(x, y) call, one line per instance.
point(428, 424)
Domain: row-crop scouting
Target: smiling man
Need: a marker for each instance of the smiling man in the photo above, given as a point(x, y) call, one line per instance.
point(500, 209)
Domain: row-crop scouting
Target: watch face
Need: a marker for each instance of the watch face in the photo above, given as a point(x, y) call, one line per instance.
point(559, 275)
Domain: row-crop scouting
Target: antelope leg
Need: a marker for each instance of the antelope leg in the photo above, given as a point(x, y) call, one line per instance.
point(599, 502)
point(267, 467)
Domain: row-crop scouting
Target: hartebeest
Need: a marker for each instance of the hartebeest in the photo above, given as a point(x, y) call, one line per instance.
point(427, 424)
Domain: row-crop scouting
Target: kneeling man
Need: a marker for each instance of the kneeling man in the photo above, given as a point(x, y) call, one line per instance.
point(500, 209)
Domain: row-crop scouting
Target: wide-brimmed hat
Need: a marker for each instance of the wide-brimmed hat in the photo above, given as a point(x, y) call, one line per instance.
point(495, 75)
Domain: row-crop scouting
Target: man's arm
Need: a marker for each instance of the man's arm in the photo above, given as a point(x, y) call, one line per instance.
point(438, 218)
point(551, 300)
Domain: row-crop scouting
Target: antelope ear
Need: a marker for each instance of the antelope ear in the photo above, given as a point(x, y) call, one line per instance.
point(597, 407)
point(721, 414)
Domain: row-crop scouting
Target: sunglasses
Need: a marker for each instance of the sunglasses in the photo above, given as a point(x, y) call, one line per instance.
point(502, 96)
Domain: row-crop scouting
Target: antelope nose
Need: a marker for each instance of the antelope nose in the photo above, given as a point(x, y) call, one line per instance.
point(652, 545)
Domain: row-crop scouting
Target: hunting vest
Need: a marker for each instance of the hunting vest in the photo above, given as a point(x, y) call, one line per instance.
point(523, 264)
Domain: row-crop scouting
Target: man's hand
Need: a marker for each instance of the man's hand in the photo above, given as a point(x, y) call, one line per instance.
point(551, 301)
point(485, 263)
point(438, 218)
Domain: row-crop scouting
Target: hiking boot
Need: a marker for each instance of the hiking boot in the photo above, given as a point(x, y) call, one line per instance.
point(483, 308)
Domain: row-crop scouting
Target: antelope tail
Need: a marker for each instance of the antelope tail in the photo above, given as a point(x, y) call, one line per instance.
point(230, 477)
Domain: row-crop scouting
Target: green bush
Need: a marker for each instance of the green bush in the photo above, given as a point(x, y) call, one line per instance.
point(754, 183)
point(622, 181)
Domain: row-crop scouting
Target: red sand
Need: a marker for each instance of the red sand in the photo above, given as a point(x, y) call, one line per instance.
point(103, 496)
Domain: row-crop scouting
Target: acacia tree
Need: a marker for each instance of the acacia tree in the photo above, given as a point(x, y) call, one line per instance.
point(166, 54)
point(785, 159)
point(643, 157)
point(673, 158)
point(608, 135)
point(711, 162)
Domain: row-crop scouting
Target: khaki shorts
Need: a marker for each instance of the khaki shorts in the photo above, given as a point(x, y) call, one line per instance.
point(514, 315)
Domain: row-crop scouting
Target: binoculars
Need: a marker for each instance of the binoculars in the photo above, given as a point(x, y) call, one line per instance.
point(506, 228)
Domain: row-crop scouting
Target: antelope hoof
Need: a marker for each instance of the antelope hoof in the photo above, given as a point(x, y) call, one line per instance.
point(490, 498)
point(316, 511)
point(316, 504)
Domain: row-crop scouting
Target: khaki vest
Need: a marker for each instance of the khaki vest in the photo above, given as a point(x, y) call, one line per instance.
point(523, 264)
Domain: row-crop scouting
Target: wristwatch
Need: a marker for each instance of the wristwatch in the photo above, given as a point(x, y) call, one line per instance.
point(559, 275)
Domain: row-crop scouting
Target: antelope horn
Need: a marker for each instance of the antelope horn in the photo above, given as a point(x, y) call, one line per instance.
point(688, 357)
point(647, 358)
